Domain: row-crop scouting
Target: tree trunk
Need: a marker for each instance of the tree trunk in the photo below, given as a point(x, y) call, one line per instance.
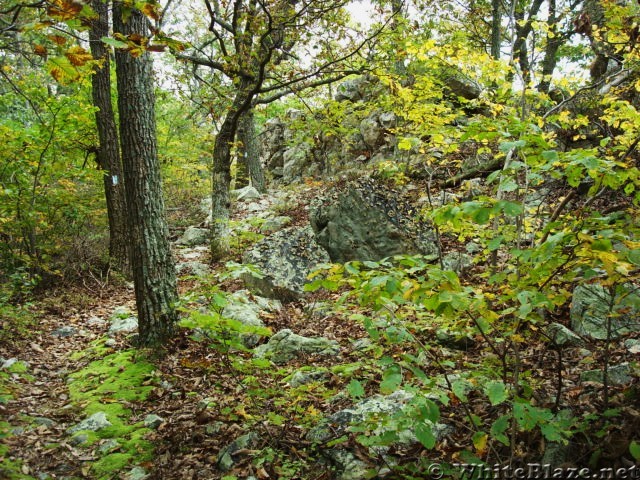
point(153, 267)
point(220, 200)
point(554, 41)
point(108, 156)
point(495, 29)
point(250, 150)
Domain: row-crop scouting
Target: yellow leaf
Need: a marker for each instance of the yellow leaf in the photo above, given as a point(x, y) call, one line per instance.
point(64, 9)
point(78, 56)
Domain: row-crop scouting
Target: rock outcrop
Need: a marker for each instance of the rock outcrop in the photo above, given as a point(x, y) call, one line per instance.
point(366, 220)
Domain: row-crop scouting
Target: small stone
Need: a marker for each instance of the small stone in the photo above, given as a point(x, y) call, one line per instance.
point(206, 402)
point(213, 428)
point(562, 336)
point(66, 331)
point(96, 321)
point(110, 342)
point(225, 458)
point(109, 445)
point(247, 193)
point(79, 439)
point(286, 345)
point(137, 473)
point(194, 236)
point(119, 325)
point(303, 378)
point(93, 423)
point(153, 421)
point(621, 374)
point(44, 421)
point(633, 345)
point(121, 312)
point(17, 431)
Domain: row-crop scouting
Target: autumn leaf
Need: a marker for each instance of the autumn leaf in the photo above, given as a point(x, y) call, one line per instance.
point(64, 9)
point(150, 10)
point(57, 39)
point(40, 50)
point(78, 56)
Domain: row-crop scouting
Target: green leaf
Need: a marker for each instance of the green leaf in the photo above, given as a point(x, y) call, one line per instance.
point(499, 428)
point(634, 256)
point(391, 379)
point(494, 243)
point(459, 388)
point(424, 434)
point(496, 391)
point(355, 389)
point(481, 215)
point(114, 43)
point(507, 146)
point(634, 450)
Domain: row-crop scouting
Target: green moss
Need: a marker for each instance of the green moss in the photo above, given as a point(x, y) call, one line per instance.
point(109, 465)
point(11, 469)
point(117, 376)
point(18, 367)
point(105, 385)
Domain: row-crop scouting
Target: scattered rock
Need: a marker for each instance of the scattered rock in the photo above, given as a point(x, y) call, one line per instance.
point(65, 331)
point(353, 89)
point(621, 374)
point(194, 236)
point(590, 309)
point(225, 458)
point(108, 445)
point(302, 378)
point(44, 421)
point(456, 342)
point(273, 224)
point(285, 345)
point(93, 423)
point(153, 421)
point(563, 337)
point(339, 423)
point(365, 220)
point(296, 161)
point(285, 259)
point(137, 473)
point(246, 311)
point(633, 345)
point(457, 261)
point(197, 269)
point(123, 325)
point(245, 194)
point(96, 321)
point(110, 342)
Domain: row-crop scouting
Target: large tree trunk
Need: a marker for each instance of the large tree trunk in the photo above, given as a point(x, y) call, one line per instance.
point(108, 156)
point(153, 267)
point(250, 150)
point(554, 42)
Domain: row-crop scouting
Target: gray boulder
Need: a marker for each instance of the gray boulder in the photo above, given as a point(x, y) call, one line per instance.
point(590, 311)
point(371, 131)
point(285, 259)
point(296, 162)
point(285, 346)
point(365, 220)
point(462, 86)
point(352, 90)
point(194, 236)
point(194, 268)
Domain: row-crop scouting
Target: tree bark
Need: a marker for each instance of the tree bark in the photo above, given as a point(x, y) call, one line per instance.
point(250, 150)
point(554, 41)
point(108, 155)
point(153, 266)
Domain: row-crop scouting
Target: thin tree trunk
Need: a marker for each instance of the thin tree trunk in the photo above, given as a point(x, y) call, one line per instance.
point(554, 41)
point(108, 156)
point(495, 29)
point(220, 200)
point(250, 150)
point(153, 266)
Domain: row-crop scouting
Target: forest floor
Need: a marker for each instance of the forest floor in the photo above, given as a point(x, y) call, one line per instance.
point(206, 396)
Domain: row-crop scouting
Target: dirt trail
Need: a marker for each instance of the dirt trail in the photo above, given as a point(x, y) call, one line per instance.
point(40, 411)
